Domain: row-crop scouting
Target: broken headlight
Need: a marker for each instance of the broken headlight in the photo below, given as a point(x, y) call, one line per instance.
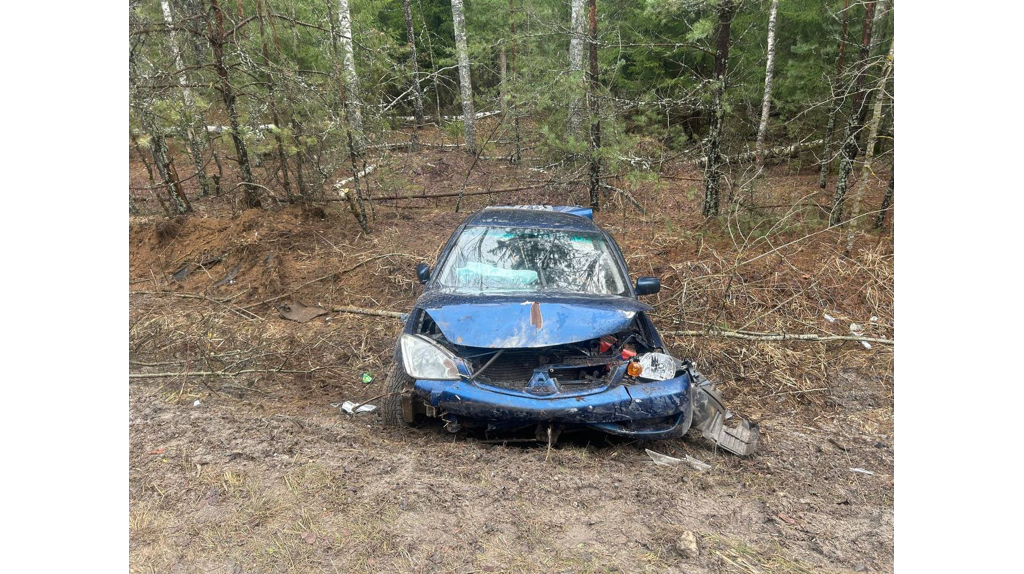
point(658, 366)
point(425, 359)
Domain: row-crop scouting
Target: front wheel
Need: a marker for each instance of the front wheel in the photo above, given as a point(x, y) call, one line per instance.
point(399, 388)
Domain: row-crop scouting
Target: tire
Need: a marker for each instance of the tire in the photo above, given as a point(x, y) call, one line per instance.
point(397, 385)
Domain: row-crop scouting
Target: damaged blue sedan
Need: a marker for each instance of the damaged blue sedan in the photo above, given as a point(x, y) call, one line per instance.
point(529, 322)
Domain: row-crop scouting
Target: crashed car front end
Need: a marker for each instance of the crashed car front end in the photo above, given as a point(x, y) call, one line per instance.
point(570, 363)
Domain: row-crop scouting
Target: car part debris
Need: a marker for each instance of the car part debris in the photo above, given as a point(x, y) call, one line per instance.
point(665, 460)
point(230, 277)
point(354, 408)
point(295, 311)
point(710, 414)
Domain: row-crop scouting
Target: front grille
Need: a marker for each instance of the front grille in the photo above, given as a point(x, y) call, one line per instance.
point(513, 370)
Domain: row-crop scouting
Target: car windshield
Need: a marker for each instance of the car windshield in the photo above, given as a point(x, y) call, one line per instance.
point(503, 259)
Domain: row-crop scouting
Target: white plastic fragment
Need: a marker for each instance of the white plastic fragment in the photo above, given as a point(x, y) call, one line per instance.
point(354, 408)
point(665, 460)
point(830, 318)
point(863, 471)
point(197, 403)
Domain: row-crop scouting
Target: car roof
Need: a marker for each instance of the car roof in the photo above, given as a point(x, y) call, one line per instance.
point(533, 218)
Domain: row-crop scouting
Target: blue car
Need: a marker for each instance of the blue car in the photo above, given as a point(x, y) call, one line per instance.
point(529, 321)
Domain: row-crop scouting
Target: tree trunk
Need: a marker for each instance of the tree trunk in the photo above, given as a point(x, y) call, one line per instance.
point(187, 129)
point(502, 85)
point(417, 95)
point(577, 29)
point(769, 69)
point(517, 152)
point(869, 148)
point(217, 38)
point(281, 155)
point(713, 171)
point(465, 83)
point(830, 128)
point(886, 202)
point(157, 143)
point(353, 105)
point(856, 120)
point(594, 109)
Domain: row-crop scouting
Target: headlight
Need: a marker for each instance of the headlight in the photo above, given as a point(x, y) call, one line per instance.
point(659, 366)
point(425, 359)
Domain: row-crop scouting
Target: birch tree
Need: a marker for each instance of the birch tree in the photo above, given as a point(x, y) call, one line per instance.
point(517, 152)
point(837, 102)
point(187, 129)
point(577, 30)
point(465, 83)
point(417, 95)
point(594, 109)
point(353, 105)
point(856, 120)
point(869, 148)
point(769, 69)
point(713, 170)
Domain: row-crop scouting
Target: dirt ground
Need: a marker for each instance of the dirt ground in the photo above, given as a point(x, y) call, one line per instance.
point(239, 463)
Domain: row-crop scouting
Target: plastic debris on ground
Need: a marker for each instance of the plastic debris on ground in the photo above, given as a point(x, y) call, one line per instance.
point(367, 378)
point(665, 460)
point(352, 408)
point(197, 403)
point(858, 331)
point(863, 471)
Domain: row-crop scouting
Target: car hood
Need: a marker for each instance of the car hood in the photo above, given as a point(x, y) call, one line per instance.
point(504, 321)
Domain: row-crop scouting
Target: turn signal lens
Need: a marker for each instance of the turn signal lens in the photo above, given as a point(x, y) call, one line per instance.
point(634, 369)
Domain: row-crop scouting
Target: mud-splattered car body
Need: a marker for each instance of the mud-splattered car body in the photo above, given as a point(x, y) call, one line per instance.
point(530, 320)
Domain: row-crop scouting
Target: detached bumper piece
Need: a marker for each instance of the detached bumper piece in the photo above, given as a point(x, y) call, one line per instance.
point(710, 415)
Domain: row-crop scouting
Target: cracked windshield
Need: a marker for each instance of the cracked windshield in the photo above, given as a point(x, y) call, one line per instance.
point(517, 259)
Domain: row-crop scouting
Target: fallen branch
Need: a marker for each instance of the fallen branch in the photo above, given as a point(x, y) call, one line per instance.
point(784, 151)
point(628, 196)
point(362, 311)
point(477, 115)
point(365, 172)
point(753, 336)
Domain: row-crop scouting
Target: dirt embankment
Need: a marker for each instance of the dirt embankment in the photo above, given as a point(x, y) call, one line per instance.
point(262, 474)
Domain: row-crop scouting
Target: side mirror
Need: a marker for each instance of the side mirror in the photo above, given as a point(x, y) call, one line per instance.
point(647, 285)
point(423, 272)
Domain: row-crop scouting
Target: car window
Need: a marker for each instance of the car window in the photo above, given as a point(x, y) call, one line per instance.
point(497, 259)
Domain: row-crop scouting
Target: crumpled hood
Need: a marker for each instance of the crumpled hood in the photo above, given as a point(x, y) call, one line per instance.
point(498, 322)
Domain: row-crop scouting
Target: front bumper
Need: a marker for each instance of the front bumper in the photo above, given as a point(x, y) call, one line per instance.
point(651, 410)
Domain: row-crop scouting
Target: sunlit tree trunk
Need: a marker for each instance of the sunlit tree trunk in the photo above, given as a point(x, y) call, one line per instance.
point(577, 29)
point(187, 129)
point(217, 38)
point(503, 85)
point(856, 120)
point(837, 102)
point(713, 169)
point(769, 69)
point(595, 111)
point(869, 148)
point(465, 83)
point(353, 104)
